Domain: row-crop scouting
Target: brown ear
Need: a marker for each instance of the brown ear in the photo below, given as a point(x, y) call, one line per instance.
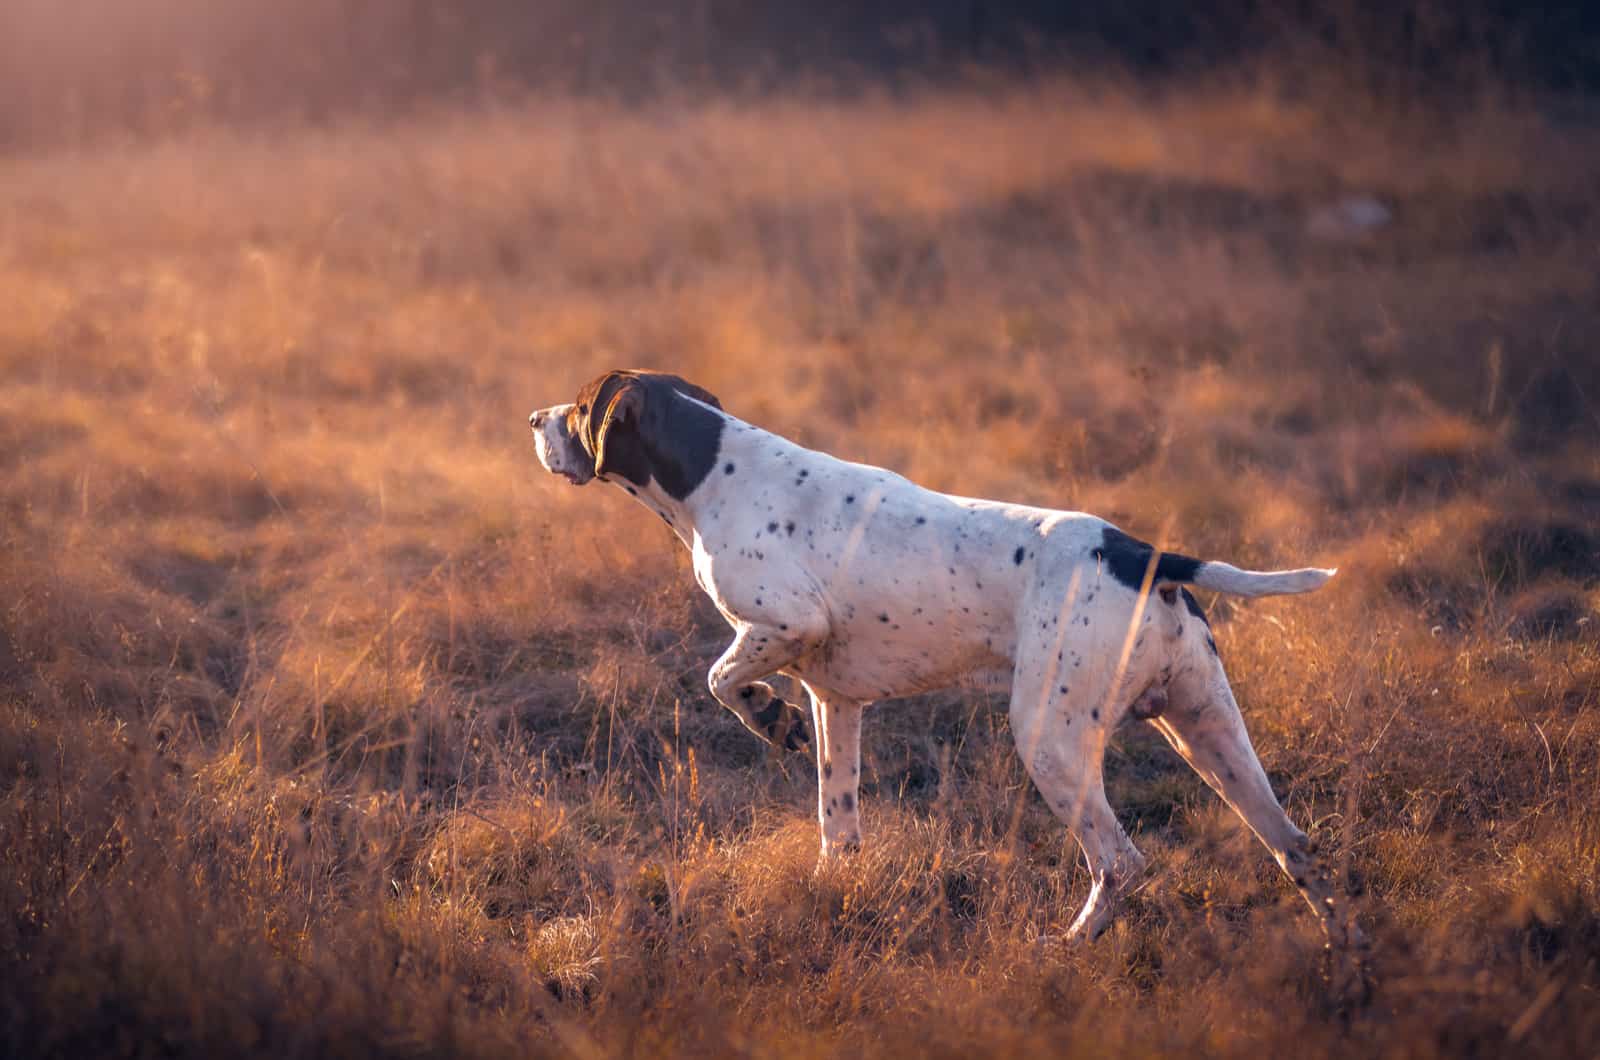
point(625, 407)
point(640, 427)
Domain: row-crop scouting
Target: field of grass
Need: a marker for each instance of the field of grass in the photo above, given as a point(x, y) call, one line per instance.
point(331, 726)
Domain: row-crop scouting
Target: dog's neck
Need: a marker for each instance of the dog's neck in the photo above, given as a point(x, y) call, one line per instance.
point(726, 485)
point(677, 514)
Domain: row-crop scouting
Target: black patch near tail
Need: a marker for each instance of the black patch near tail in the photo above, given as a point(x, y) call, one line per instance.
point(1198, 612)
point(1128, 559)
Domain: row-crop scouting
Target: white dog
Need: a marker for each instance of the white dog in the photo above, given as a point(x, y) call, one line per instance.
point(864, 586)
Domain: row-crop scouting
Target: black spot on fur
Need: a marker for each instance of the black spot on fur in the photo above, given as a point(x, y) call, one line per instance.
point(788, 527)
point(883, 618)
point(772, 528)
point(921, 519)
point(1016, 557)
point(727, 469)
point(827, 770)
point(1128, 560)
point(850, 498)
point(848, 801)
point(1095, 714)
point(1194, 607)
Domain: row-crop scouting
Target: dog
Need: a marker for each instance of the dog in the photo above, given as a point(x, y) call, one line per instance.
point(864, 586)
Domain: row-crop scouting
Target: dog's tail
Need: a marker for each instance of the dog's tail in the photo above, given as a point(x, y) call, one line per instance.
point(1226, 578)
point(1134, 563)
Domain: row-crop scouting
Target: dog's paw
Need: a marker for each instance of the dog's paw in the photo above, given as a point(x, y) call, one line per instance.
point(789, 731)
point(838, 851)
point(779, 722)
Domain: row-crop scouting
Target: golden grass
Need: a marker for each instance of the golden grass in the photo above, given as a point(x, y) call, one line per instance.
point(329, 724)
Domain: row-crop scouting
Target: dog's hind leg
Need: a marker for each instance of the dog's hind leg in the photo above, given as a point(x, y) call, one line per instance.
point(1203, 724)
point(1062, 741)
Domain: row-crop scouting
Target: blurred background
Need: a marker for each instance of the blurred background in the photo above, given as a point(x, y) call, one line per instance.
point(72, 69)
point(331, 725)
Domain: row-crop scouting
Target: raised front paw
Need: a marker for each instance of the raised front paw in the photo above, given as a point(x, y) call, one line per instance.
point(797, 737)
point(780, 722)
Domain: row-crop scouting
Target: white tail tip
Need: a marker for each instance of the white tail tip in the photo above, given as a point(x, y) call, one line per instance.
point(1226, 578)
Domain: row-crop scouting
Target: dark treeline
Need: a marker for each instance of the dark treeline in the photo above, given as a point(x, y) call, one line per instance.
point(78, 68)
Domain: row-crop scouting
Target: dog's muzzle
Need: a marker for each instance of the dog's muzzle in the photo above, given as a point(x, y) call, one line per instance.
point(550, 443)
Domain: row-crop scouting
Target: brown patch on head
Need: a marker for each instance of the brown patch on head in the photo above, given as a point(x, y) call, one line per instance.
point(636, 424)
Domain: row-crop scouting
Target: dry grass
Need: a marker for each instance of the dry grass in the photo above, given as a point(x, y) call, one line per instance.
point(330, 726)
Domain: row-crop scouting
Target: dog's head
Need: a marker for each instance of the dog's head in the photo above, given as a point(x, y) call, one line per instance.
point(636, 425)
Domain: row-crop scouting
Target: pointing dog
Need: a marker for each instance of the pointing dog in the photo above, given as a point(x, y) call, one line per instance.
point(864, 586)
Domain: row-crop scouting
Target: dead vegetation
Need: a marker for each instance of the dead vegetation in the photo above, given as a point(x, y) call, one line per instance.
point(329, 725)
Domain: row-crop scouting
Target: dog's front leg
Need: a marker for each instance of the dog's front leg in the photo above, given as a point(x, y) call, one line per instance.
point(837, 721)
point(758, 651)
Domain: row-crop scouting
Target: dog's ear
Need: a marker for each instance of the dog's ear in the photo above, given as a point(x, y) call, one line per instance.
point(640, 425)
point(618, 444)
